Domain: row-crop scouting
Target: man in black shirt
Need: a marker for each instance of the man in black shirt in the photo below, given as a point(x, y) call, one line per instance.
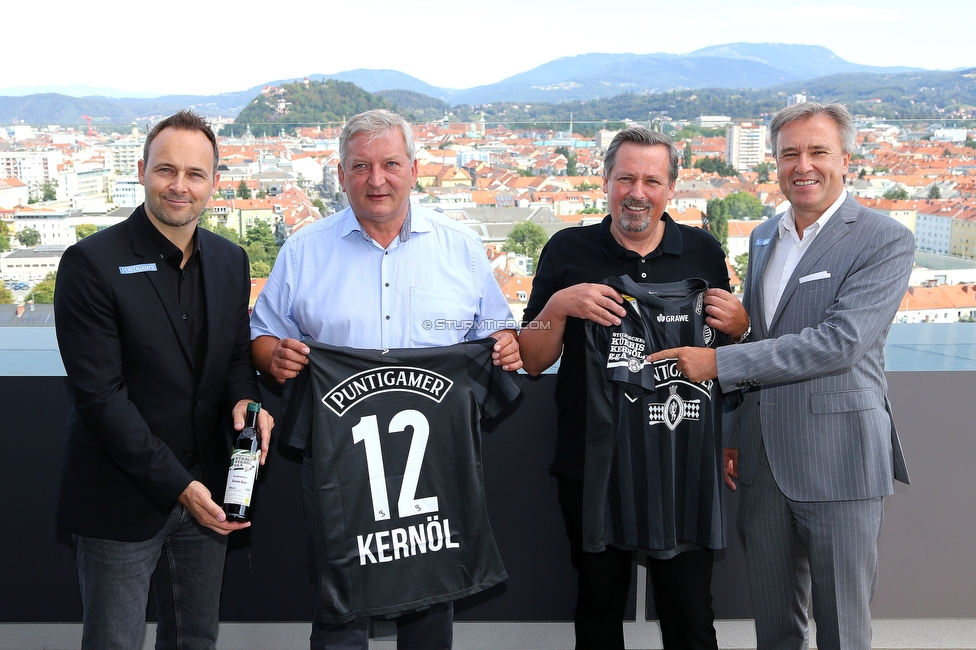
point(152, 325)
point(640, 240)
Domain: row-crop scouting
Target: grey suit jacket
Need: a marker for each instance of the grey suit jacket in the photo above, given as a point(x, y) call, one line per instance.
point(812, 384)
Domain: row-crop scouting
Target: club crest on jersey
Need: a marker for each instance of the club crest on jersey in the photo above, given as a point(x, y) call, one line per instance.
point(367, 383)
point(674, 410)
point(708, 335)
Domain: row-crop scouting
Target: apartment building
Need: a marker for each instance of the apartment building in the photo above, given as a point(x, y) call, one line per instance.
point(745, 145)
point(33, 167)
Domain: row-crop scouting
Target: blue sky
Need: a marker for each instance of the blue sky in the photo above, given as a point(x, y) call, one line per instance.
point(208, 47)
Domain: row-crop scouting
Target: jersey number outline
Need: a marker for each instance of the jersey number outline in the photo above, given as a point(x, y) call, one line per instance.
point(367, 431)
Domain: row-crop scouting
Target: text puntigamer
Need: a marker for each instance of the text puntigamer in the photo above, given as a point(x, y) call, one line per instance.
point(377, 380)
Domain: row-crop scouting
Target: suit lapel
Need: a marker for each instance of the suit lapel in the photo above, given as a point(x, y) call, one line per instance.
point(765, 235)
point(143, 247)
point(212, 296)
point(833, 231)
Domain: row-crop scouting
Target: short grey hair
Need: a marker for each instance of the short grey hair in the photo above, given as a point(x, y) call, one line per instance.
point(644, 137)
point(807, 110)
point(374, 124)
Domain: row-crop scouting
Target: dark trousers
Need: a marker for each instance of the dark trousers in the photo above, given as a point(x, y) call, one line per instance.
point(184, 562)
point(682, 588)
point(431, 628)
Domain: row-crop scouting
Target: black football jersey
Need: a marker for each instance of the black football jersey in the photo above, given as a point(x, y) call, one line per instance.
point(400, 515)
point(653, 472)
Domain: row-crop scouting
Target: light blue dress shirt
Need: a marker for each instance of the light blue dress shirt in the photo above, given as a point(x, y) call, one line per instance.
point(332, 284)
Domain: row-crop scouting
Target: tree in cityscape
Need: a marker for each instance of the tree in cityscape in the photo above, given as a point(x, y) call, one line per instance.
point(29, 237)
point(49, 191)
point(570, 160)
point(716, 221)
point(260, 244)
point(935, 192)
point(742, 205)
point(526, 238)
point(46, 191)
point(82, 230)
point(717, 166)
point(692, 131)
point(6, 298)
point(4, 238)
point(763, 170)
point(260, 233)
point(686, 161)
point(207, 221)
point(741, 266)
point(896, 193)
point(243, 191)
point(260, 269)
point(43, 291)
point(585, 187)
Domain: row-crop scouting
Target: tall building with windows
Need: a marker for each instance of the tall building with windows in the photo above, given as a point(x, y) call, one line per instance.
point(745, 145)
point(125, 154)
point(33, 167)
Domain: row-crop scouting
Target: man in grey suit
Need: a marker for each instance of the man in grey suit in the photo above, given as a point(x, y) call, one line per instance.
point(812, 441)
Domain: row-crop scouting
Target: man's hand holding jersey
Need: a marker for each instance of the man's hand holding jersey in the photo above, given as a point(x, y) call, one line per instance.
point(587, 300)
point(725, 313)
point(506, 350)
point(283, 359)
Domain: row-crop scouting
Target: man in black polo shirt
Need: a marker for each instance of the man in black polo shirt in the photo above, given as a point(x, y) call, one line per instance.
point(640, 240)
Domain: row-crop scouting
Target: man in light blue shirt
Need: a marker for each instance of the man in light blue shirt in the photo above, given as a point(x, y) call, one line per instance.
point(379, 274)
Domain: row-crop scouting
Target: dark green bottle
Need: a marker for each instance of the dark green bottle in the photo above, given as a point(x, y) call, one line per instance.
point(244, 462)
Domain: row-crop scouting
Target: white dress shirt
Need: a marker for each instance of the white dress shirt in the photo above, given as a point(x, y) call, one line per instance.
point(787, 253)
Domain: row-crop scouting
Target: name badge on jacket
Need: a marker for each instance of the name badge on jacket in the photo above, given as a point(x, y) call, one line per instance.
point(137, 268)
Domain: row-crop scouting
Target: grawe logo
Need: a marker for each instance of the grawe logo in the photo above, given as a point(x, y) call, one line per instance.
point(673, 318)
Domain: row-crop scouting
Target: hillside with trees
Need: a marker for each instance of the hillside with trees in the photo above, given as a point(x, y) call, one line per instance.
point(914, 95)
point(305, 105)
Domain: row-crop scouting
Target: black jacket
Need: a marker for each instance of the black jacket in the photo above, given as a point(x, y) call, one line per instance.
point(137, 401)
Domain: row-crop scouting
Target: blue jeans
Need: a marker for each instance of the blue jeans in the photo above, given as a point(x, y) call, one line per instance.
point(184, 563)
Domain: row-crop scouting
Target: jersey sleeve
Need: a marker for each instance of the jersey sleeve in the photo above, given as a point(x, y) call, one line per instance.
point(493, 388)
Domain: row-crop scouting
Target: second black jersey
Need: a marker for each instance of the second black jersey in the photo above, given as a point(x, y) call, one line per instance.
point(400, 510)
point(653, 473)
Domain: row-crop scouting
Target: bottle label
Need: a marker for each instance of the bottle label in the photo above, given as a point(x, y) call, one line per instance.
point(241, 477)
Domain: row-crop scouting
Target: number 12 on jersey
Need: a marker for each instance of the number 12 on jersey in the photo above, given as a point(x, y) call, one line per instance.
point(367, 432)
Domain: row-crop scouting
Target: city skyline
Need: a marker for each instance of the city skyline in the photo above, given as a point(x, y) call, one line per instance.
point(215, 49)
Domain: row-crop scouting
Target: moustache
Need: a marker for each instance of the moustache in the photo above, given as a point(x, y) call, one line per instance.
point(635, 204)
